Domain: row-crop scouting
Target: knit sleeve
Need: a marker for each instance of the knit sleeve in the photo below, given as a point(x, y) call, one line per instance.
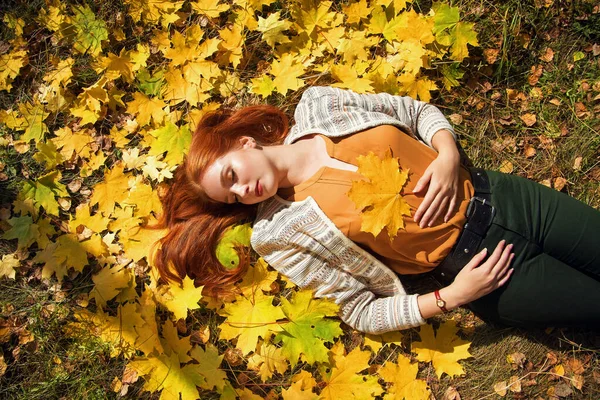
point(309, 264)
point(340, 111)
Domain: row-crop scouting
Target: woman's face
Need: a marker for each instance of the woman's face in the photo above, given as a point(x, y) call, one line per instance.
point(242, 175)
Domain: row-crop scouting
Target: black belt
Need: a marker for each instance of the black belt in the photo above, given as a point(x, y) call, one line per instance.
point(480, 215)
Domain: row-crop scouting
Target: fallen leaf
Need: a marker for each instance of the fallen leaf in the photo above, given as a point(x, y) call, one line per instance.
point(576, 366)
point(548, 55)
point(577, 163)
point(529, 151)
point(491, 55)
point(555, 101)
point(516, 360)
point(506, 167)
point(514, 384)
point(529, 119)
point(559, 183)
point(501, 388)
point(456, 119)
point(546, 182)
point(451, 394)
point(535, 73)
point(577, 381)
point(558, 371)
point(561, 390)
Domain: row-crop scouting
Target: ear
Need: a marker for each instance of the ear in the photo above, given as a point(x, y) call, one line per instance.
point(247, 142)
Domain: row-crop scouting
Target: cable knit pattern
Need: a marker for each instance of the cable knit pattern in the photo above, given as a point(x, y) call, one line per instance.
point(335, 112)
point(302, 243)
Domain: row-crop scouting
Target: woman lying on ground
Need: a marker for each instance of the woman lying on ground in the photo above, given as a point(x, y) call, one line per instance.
point(513, 251)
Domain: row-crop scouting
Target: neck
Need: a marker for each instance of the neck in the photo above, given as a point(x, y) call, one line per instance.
point(291, 161)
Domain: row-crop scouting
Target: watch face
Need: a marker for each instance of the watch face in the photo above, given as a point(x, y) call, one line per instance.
point(441, 303)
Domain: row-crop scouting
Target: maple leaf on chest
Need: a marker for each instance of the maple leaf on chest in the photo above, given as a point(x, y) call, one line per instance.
point(379, 200)
point(443, 350)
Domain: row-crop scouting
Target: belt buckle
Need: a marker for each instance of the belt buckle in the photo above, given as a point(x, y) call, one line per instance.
point(482, 223)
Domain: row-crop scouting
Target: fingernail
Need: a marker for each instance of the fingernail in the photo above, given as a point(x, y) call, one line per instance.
point(484, 251)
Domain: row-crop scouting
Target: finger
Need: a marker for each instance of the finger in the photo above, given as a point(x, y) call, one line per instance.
point(477, 259)
point(506, 277)
point(428, 213)
point(439, 210)
point(451, 208)
point(429, 197)
point(489, 264)
point(503, 261)
point(422, 183)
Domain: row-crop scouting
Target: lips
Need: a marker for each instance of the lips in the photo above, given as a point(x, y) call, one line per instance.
point(258, 189)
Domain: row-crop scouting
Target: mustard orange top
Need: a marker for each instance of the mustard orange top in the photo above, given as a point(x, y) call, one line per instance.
point(414, 249)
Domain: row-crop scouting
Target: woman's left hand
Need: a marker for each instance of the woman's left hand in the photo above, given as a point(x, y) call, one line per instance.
point(441, 178)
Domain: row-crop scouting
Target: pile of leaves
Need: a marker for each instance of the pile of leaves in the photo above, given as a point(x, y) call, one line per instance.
point(110, 115)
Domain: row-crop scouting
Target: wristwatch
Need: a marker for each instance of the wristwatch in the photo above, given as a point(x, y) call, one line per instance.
point(441, 303)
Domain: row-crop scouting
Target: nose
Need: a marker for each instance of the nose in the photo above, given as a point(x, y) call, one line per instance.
point(240, 190)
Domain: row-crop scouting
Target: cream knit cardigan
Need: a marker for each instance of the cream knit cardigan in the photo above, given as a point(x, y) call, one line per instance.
point(302, 243)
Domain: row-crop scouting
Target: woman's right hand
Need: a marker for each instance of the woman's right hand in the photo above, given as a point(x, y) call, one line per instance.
point(477, 279)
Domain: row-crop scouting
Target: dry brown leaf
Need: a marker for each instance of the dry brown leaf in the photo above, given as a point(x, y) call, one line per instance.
point(546, 182)
point(3, 365)
point(535, 73)
point(548, 55)
point(233, 356)
point(546, 142)
point(516, 360)
point(529, 119)
point(555, 101)
point(596, 375)
point(451, 394)
point(528, 382)
point(501, 388)
point(577, 163)
point(514, 384)
point(507, 167)
point(456, 118)
point(561, 390)
point(491, 55)
point(577, 381)
point(576, 366)
point(559, 183)
point(506, 121)
point(581, 110)
point(595, 49)
point(529, 151)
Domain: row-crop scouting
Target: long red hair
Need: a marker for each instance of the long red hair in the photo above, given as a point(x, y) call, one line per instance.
point(195, 223)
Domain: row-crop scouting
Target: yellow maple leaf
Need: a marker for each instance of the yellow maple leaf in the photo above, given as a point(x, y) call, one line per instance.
point(348, 79)
point(344, 378)
point(210, 8)
point(301, 388)
point(181, 298)
point(247, 319)
point(380, 200)
point(8, 266)
point(443, 350)
point(146, 108)
point(10, 65)
point(272, 28)
point(232, 45)
point(113, 189)
point(357, 11)
point(266, 360)
point(108, 283)
point(402, 375)
point(286, 71)
point(314, 14)
point(416, 87)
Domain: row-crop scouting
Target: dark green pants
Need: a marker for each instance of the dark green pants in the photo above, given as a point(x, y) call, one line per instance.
point(556, 281)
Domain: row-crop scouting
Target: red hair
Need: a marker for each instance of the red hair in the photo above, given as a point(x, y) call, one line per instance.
point(195, 223)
